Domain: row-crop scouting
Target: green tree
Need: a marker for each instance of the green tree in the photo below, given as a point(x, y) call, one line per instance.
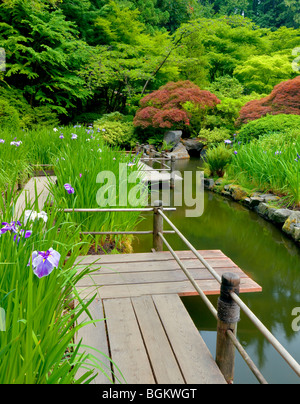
point(118, 71)
point(218, 46)
point(262, 73)
point(43, 54)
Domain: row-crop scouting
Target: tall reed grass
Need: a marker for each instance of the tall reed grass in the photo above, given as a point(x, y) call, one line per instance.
point(78, 163)
point(37, 334)
point(269, 164)
point(36, 338)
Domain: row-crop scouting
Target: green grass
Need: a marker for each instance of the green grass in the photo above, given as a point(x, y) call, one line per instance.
point(269, 164)
point(79, 163)
point(37, 346)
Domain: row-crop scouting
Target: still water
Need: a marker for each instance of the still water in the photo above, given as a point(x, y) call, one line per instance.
point(267, 256)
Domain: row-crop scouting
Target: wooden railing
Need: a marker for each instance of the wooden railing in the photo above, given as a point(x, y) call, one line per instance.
point(150, 155)
point(229, 304)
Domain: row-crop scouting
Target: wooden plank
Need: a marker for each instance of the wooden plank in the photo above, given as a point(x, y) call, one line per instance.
point(148, 174)
point(153, 266)
point(151, 277)
point(193, 356)
point(126, 343)
point(161, 356)
point(94, 335)
point(184, 288)
point(142, 257)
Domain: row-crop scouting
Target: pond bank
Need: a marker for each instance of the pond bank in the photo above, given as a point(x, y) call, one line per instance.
point(264, 204)
point(266, 254)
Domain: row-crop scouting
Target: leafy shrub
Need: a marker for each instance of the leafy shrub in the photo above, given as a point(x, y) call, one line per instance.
point(118, 134)
point(44, 116)
point(114, 117)
point(284, 99)
point(226, 87)
point(217, 159)
point(214, 136)
point(87, 117)
point(267, 125)
point(9, 116)
point(167, 108)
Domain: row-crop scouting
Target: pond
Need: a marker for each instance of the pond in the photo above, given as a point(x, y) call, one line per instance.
point(267, 256)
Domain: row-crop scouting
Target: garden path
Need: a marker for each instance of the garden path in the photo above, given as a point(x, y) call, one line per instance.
point(35, 191)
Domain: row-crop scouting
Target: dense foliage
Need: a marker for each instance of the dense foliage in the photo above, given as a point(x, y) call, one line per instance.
point(170, 106)
point(284, 99)
point(76, 60)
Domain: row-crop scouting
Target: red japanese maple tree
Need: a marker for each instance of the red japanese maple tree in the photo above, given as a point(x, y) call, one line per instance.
point(164, 108)
point(284, 99)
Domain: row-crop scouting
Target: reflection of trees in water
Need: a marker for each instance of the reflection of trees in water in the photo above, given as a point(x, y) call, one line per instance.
point(262, 251)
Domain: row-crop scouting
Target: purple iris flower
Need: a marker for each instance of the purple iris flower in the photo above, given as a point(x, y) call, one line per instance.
point(227, 141)
point(10, 227)
point(26, 233)
point(69, 189)
point(2, 141)
point(43, 262)
point(74, 136)
point(17, 144)
point(61, 136)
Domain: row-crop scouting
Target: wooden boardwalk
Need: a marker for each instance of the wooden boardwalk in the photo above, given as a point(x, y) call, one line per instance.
point(147, 332)
point(151, 175)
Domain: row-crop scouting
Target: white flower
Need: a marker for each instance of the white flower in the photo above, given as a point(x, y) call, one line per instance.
point(33, 215)
point(55, 129)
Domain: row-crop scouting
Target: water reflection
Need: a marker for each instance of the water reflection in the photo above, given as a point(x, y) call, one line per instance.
point(263, 252)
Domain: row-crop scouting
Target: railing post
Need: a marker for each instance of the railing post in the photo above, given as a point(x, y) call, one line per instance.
point(172, 180)
point(137, 148)
point(162, 162)
point(228, 317)
point(158, 226)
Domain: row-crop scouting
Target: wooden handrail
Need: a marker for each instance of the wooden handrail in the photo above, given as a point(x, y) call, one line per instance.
point(158, 233)
point(294, 365)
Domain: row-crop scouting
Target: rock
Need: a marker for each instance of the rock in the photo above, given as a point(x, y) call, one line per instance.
point(255, 201)
point(173, 136)
point(247, 202)
point(264, 210)
point(179, 152)
point(280, 215)
point(193, 146)
point(219, 181)
point(237, 193)
point(209, 183)
point(292, 226)
point(269, 198)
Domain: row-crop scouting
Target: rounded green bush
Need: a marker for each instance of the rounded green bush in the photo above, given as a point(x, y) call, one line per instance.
point(116, 134)
point(268, 125)
point(9, 117)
